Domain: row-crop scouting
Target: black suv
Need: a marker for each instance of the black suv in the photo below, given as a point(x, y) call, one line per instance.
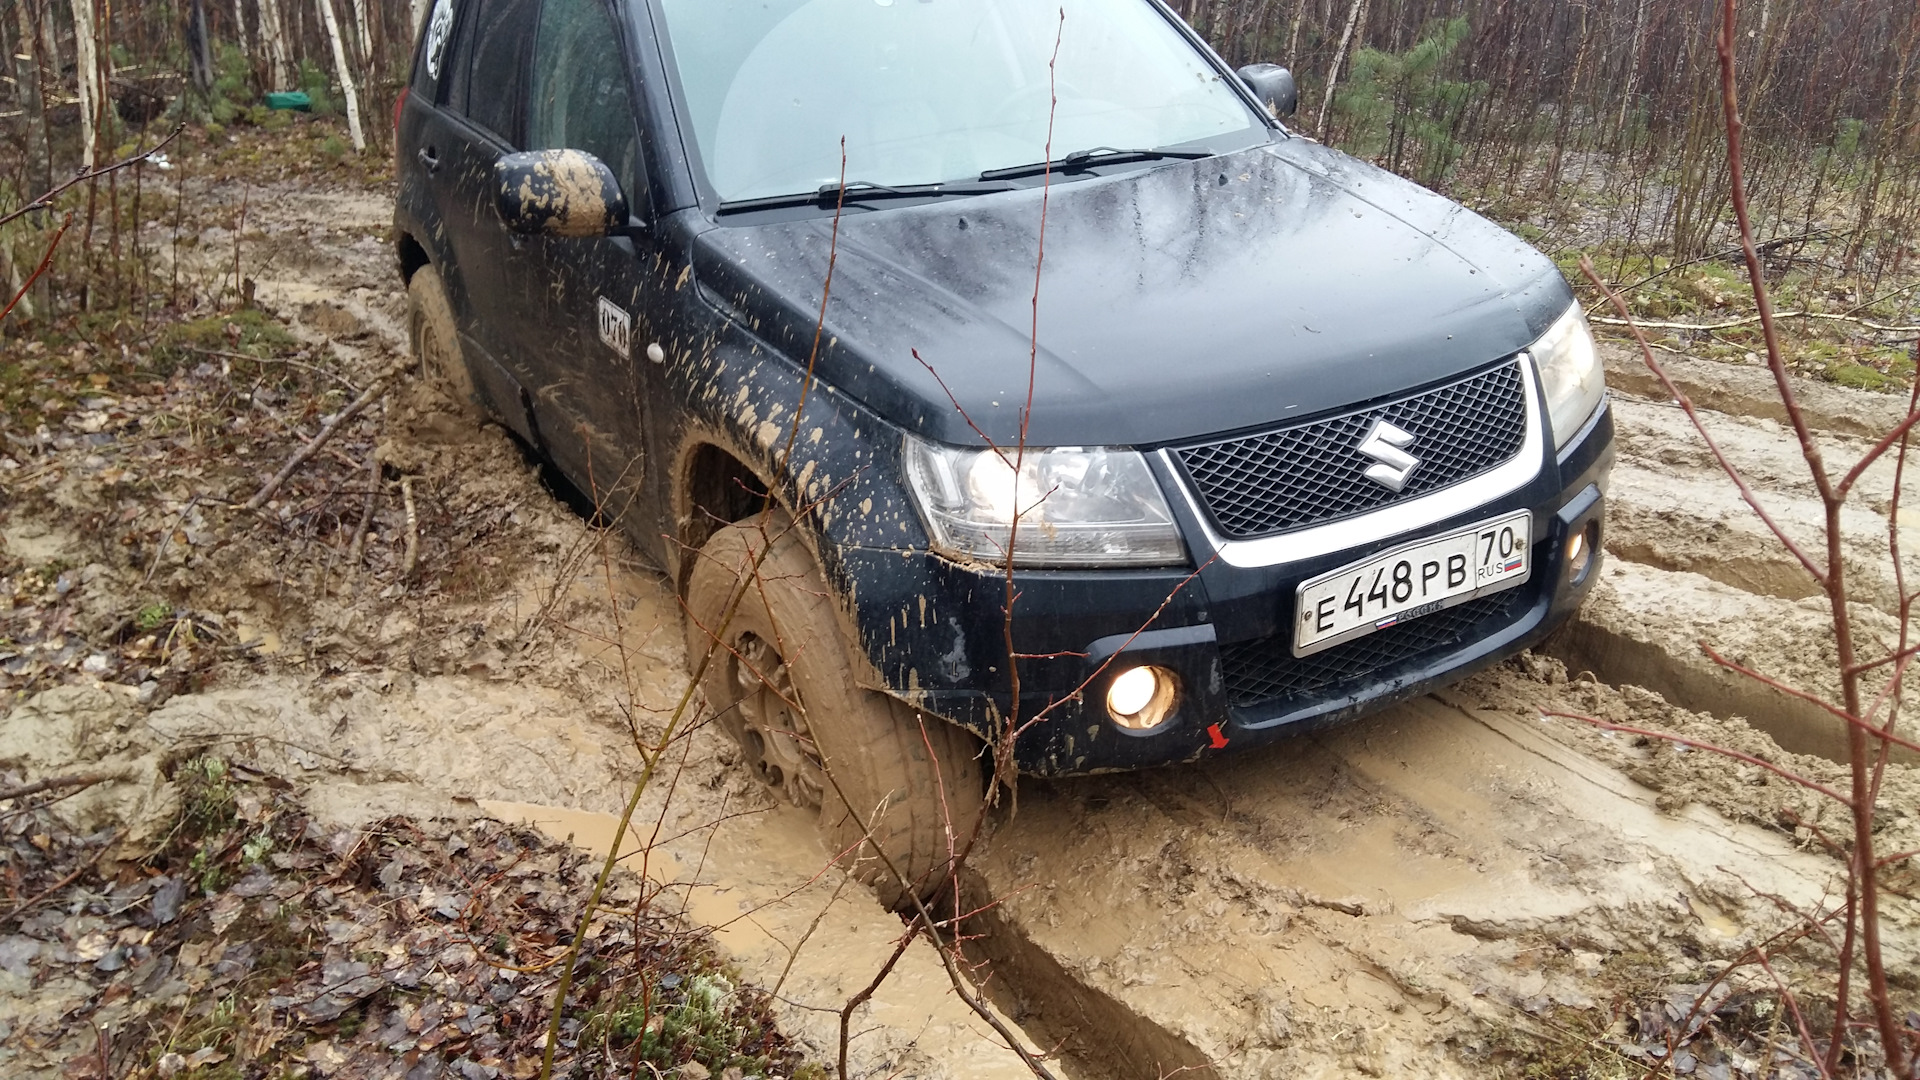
point(1286, 438)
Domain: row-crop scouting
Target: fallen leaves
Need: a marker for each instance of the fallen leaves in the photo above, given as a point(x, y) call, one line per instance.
point(404, 951)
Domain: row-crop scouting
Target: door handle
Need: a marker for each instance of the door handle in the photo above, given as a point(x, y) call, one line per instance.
point(429, 158)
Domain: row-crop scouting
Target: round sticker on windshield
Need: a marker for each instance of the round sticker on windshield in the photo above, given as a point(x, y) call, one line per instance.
point(438, 27)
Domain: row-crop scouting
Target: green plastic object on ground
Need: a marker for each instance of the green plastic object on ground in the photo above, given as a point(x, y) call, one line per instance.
point(296, 100)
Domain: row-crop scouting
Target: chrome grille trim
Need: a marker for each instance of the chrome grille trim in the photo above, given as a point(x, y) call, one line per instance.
point(1315, 471)
point(1393, 519)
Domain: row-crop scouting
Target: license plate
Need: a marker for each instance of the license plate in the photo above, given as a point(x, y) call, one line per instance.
point(1412, 581)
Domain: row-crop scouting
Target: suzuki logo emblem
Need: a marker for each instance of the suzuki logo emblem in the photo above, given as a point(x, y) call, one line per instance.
point(1387, 445)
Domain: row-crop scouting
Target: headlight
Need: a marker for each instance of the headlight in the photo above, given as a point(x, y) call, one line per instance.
point(1077, 507)
point(1570, 373)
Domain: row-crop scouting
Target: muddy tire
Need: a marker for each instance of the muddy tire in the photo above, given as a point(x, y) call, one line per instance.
point(845, 748)
point(436, 344)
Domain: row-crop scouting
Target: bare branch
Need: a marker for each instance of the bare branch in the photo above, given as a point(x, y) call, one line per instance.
point(1870, 728)
point(45, 261)
point(1686, 406)
point(85, 175)
point(1663, 736)
point(372, 394)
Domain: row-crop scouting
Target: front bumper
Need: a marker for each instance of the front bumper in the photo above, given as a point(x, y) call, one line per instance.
point(937, 632)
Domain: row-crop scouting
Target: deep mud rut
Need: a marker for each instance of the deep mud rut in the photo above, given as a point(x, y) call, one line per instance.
point(1397, 897)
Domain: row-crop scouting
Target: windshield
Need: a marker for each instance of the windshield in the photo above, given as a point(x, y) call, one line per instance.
point(930, 91)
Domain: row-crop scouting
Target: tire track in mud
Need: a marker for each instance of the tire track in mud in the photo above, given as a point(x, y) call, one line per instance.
point(1696, 565)
point(1385, 898)
point(553, 748)
point(1375, 899)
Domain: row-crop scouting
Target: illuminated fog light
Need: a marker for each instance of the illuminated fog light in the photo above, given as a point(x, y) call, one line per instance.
point(1580, 548)
point(1141, 698)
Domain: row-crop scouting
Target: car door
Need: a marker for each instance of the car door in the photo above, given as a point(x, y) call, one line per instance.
point(479, 96)
point(600, 311)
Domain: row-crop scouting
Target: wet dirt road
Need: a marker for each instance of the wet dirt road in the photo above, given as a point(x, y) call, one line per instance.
point(1384, 899)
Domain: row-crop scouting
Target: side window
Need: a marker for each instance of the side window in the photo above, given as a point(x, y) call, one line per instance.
point(431, 62)
point(580, 94)
point(484, 69)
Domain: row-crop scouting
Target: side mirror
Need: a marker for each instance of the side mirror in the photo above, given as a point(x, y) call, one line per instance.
point(558, 193)
point(1273, 85)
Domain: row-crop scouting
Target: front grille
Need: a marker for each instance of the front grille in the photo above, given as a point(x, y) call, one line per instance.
point(1314, 472)
point(1266, 669)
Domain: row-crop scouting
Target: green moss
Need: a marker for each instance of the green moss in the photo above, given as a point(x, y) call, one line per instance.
point(247, 332)
point(1859, 376)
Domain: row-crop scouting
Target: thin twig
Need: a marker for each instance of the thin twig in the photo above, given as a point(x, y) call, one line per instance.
point(301, 364)
point(357, 548)
point(166, 537)
point(413, 529)
point(46, 261)
point(359, 404)
point(1749, 320)
point(56, 783)
point(1784, 774)
point(1686, 405)
point(83, 176)
point(866, 992)
point(680, 711)
point(1873, 730)
point(1769, 247)
point(1866, 461)
point(32, 902)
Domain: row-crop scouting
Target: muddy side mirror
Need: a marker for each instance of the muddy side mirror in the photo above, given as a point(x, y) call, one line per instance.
point(558, 193)
point(1273, 86)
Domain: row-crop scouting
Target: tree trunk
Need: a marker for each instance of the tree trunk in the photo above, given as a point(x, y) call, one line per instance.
point(345, 72)
point(39, 175)
point(365, 35)
point(29, 65)
point(199, 47)
point(1632, 87)
point(87, 76)
point(273, 35)
point(240, 28)
point(1217, 26)
point(419, 19)
point(1339, 58)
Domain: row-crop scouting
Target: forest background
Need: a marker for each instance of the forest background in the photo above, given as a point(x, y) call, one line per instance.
point(1588, 126)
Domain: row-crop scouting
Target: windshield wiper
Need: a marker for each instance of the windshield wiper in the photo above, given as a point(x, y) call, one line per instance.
point(1099, 155)
point(831, 194)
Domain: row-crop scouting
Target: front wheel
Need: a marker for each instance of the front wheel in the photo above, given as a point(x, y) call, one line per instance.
point(436, 343)
point(883, 777)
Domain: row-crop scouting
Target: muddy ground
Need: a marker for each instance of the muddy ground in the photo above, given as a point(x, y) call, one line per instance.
point(1461, 886)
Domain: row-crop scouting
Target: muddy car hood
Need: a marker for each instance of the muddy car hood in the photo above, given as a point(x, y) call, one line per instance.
point(1175, 302)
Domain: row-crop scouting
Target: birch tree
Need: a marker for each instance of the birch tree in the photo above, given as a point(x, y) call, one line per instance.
point(345, 71)
point(273, 35)
point(363, 33)
point(1339, 57)
point(87, 76)
point(240, 28)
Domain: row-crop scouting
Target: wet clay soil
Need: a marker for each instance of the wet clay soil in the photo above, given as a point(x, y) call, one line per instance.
point(1392, 898)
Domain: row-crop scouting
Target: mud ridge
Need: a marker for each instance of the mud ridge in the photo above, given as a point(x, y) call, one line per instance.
point(1097, 1033)
point(1749, 390)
